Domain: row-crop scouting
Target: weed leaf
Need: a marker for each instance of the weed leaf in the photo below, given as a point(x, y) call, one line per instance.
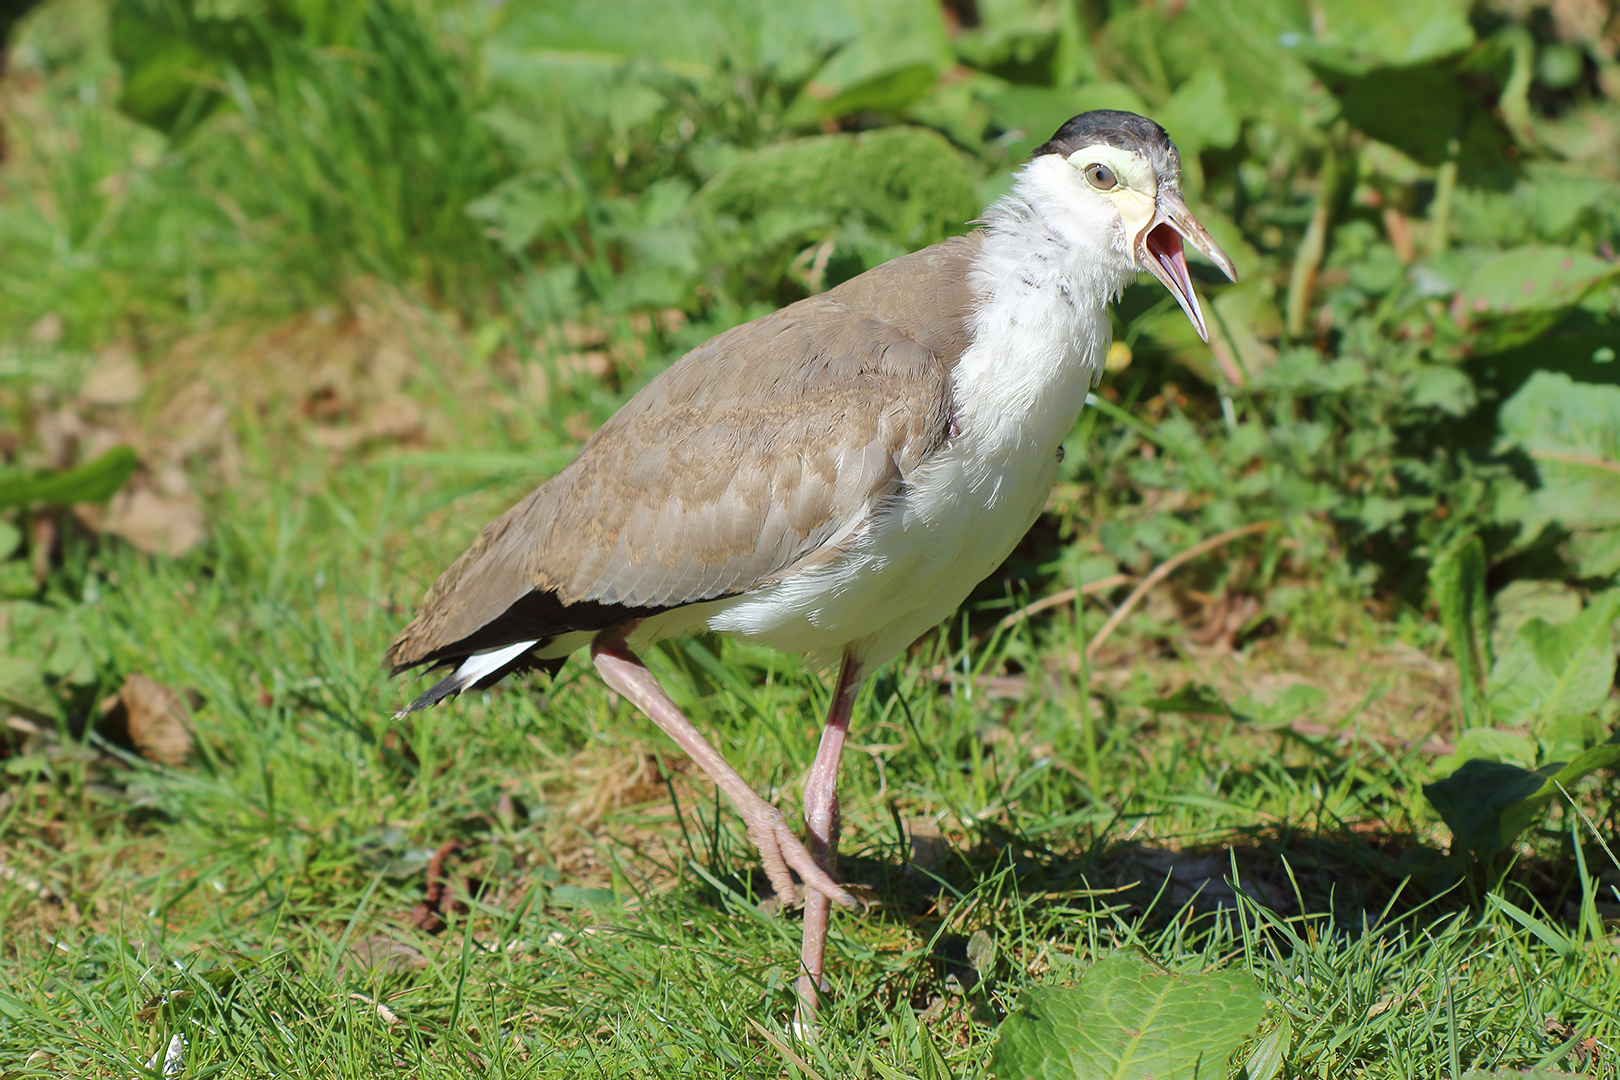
point(1458, 578)
point(93, 482)
point(1555, 670)
point(1129, 1018)
point(1571, 431)
point(1358, 35)
point(1267, 1059)
point(933, 1062)
point(1193, 698)
point(1488, 803)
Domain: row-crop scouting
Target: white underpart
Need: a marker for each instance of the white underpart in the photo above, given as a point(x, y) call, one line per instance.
point(477, 666)
point(1052, 260)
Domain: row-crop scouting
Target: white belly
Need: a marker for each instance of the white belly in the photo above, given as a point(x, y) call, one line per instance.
point(919, 559)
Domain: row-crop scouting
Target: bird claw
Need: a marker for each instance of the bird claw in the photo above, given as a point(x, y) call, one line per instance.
point(780, 850)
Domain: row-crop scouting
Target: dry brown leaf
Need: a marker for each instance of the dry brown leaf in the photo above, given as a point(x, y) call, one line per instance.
point(155, 717)
point(155, 523)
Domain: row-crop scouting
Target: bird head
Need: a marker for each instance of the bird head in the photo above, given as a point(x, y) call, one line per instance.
point(1118, 178)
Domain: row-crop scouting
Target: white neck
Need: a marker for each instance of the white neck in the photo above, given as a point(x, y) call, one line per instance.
point(1041, 331)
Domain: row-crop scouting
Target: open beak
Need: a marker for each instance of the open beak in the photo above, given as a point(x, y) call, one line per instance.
point(1159, 248)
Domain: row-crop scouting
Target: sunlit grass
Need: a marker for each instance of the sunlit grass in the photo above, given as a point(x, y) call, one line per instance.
point(310, 271)
point(610, 923)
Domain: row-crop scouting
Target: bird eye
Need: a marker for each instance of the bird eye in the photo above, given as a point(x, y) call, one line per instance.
point(1101, 177)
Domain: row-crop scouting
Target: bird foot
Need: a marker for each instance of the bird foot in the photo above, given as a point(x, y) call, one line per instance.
point(780, 850)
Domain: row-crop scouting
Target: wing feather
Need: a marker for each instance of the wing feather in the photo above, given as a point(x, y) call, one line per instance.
point(730, 467)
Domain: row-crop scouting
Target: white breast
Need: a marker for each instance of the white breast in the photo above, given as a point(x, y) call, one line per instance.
point(1039, 340)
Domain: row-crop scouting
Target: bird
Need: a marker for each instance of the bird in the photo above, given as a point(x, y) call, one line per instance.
point(831, 479)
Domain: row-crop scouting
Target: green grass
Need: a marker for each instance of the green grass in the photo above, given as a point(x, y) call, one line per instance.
point(391, 216)
point(611, 925)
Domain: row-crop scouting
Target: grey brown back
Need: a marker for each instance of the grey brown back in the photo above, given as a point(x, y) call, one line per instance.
point(729, 470)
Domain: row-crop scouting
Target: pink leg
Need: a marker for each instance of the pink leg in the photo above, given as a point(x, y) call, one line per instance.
point(778, 848)
point(821, 820)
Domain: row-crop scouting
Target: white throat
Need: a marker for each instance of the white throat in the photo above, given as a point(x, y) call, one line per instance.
point(1041, 331)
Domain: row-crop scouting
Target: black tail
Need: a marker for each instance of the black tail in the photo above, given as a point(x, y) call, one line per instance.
point(454, 683)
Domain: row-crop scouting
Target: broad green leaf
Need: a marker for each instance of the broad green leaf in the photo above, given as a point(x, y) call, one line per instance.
point(95, 481)
point(579, 896)
point(1128, 1018)
point(1550, 204)
point(1244, 315)
point(1564, 738)
point(1521, 601)
point(887, 91)
point(551, 294)
point(1257, 46)
point(559, 62)
point(1199, 115)
point(1473, 799)
point(1538, 278)
point(1009, 32)
point(172, 60)
point(956, 108)
point(1558, 775)
point(1559, 198)
point(1357, 36)
point(22, 685)
point(1458, 579)
point(537, 139)
point(1572, 432)
point(1445, 388)
point(899, 50)
point(981, 951)
point(49, 639)
point(1552, 670)
point(1493, 744)
point(1595, 552)
point(1488, 803)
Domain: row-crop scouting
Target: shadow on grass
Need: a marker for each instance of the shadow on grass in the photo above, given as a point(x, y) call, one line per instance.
point(1346, 883)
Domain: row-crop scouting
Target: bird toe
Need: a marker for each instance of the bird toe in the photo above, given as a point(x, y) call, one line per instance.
point(780, 850)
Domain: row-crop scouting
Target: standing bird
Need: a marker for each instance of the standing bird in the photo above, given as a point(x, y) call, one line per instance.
point(831, 479)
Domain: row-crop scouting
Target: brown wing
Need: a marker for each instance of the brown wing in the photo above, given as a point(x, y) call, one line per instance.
point(732, 466)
